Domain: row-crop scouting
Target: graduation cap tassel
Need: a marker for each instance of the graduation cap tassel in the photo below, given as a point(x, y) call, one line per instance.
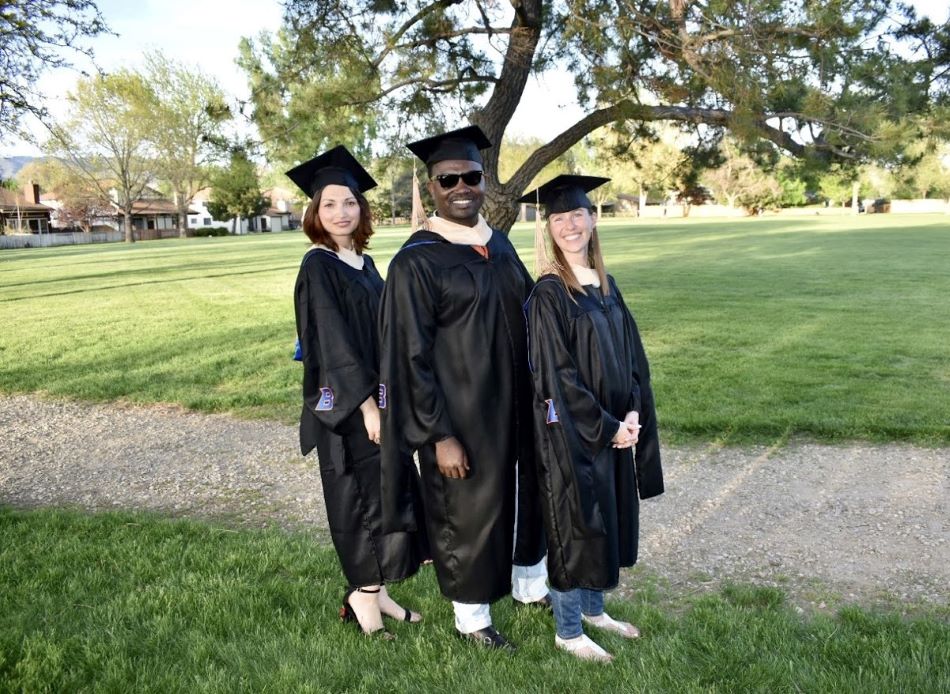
point(541, 261)
point(418, 215)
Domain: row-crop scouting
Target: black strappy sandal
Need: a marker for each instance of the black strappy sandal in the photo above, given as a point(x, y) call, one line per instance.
point(348, 614)
point(406, 617)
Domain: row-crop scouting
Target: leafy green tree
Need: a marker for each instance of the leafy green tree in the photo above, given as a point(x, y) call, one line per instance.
point(105, 138)
point(816, 79)
point(741, 182)
point(837, 184)
point(514, 152)
point(393, 197)
point(640, 165)
point(879, 181)
point(189, 110)
point(33, 34)
point(80, 202)
point(302, 108)
point(794, 184)
point(236, 190)
point(926, 170)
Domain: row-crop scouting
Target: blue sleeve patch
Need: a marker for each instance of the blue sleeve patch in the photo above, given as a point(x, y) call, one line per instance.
point(552, 413)
point(298, 351)
point(325, 403)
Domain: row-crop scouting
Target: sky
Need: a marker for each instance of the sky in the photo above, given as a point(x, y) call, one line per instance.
point(205, 34)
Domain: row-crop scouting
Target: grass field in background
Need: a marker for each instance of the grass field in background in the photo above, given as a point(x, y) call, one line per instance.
point(131, 602)
point(757, 329)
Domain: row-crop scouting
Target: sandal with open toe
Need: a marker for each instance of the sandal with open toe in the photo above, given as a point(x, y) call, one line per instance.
point(606, 622)
point(583, 647)
point(348, 614)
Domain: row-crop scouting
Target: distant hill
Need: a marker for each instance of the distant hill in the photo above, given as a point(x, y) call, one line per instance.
point(9, 166)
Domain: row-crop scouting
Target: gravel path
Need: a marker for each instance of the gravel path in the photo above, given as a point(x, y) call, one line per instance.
point(828, 524)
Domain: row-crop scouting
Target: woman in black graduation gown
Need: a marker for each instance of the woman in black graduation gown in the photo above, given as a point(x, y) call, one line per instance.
point(593, 402)
point(336, 300)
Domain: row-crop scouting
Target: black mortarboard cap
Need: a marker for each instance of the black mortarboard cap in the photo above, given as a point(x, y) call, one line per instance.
point(564, 193)
point(336, 166)
point(463, 144)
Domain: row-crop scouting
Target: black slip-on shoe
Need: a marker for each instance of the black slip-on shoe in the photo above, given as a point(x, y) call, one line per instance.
point(489, 638)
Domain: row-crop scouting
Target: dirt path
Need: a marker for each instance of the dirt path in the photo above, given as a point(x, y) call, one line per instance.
point(828, 524)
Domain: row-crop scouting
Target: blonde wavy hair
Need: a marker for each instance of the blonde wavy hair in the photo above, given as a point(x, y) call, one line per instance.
point(549, 258)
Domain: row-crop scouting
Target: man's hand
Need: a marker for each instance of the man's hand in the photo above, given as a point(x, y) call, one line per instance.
point(451, 458)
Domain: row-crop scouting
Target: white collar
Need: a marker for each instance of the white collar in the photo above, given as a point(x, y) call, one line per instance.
point(478, 235)
point(585, 275)
point(351, 258)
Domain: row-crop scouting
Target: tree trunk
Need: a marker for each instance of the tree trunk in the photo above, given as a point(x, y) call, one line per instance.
point(855, 190)
point(181, 207)
point(641, 202)
point(127, 218)
point(495, 116)
point(499, 209)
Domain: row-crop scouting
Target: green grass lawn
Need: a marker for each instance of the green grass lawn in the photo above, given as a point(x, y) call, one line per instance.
point(757, 329)
point(129, 602)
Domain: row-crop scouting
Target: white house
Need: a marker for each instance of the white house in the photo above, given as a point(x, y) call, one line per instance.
point(280, 216)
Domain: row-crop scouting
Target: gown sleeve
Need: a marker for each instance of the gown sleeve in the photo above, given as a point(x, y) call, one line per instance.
point(336, 382)
point(555, 371)
point(647, 455)
point(637, 366)
point(412, 404)
point(407, 325)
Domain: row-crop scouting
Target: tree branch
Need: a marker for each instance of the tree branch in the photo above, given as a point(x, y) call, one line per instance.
point(490, 31)
point(628, 110)
point(407, 25)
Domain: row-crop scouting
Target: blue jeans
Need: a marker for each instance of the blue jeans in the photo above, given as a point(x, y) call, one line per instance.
point(568, 607)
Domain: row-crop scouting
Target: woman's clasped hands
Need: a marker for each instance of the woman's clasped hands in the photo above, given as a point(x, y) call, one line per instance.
point(629, 431)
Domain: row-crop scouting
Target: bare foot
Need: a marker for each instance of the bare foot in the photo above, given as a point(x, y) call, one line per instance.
point(366, 608)
point(391, 608)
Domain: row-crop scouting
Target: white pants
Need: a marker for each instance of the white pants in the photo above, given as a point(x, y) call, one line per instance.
point(528, 583)
point(471, 617)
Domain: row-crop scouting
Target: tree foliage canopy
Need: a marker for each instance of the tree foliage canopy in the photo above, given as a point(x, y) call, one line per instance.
point(80, 202)
point(189, 107)
point(236, 189)
point(106, 137)
point(33, 34)
point(835, 79)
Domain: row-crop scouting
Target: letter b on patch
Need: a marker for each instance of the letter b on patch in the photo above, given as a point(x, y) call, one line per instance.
point(326, 400)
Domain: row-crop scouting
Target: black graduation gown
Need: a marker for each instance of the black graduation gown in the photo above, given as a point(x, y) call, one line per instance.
point(589, 370)
point(336, 307)
point(454, 363)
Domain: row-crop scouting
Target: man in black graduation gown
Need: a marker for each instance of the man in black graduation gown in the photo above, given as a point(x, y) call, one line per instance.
point(455, 386)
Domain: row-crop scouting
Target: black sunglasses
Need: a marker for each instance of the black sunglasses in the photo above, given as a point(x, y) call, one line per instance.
point(449, 181)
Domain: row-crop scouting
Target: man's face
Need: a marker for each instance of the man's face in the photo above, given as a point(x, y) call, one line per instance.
point(460, 202)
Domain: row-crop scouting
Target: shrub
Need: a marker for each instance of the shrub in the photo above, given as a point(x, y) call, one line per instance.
point(211, 231)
